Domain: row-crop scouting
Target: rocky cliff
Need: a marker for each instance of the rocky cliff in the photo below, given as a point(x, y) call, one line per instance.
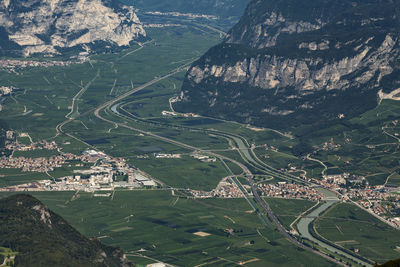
point(290, 62)
point(52, 26)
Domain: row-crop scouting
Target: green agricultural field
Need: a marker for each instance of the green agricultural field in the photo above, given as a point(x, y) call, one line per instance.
point(287, 210)
point(197, 139)
point(47, 101)
point(48, 93)
point(23, 140)
point(377, 179)
point(68, 170)
point(185, 172)
point(9, 177)
point(163, 227)
point(350, 227)
point(277, 159)
point(394, 179)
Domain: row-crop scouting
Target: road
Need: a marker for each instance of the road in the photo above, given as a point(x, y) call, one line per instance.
point(242, 144)
point(280, 227)
point(320, 162)
point(137, 89)
point(74, 106)
point(394, 95)
point(111, 102)
point(388, 134)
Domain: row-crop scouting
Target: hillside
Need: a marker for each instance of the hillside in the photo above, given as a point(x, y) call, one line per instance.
point(52, 27)
point(289, 63)
point(394, 263)
point(3, 131)
point(42, 238)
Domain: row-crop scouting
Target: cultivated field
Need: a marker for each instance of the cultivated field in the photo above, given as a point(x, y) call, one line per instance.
point(353, 228)
point(162, 226)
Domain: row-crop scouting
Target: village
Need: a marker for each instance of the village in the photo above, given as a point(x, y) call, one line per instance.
point(290, 191)
point(12, 65)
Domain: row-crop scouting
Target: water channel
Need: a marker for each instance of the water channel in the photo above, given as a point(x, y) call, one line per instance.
point(304, 223)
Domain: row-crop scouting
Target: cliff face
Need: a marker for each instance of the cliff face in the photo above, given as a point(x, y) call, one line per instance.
point(288, 63)
point(49, 26)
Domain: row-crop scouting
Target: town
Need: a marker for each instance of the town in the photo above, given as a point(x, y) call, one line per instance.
point(102, 172)
point(106, 174)
point(12, 65)
point(178, 14)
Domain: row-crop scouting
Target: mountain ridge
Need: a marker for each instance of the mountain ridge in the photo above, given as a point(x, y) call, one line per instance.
point(287, 71)
point(53, 26)
point(42, 238)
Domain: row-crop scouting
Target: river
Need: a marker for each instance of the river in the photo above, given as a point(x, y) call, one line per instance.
point(304, 223)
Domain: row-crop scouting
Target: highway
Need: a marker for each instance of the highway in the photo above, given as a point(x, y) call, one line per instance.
point(242, 144)
point(281, 229)
point(251, 159)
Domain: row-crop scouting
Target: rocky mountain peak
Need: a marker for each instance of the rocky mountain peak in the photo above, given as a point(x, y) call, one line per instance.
point(51, 26)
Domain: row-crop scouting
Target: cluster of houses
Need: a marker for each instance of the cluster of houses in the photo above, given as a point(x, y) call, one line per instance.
point(7, 90)
point(203, 158)
point(227, 188)
point(343, 180)
point(16, 146)
point(11, 65)
point(290, 191)
point(41, 164)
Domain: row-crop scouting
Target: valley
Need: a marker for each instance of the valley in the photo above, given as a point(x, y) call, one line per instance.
point(121, 105)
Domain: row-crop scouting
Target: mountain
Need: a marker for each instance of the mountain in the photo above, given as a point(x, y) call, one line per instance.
point(288, 63)
point(55, 26)
point(42, 238)
point(221, 8)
